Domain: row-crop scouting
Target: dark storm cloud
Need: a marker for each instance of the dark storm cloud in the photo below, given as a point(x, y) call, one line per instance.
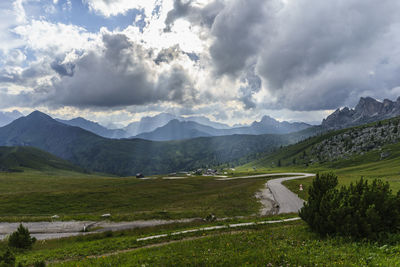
point(311, 54)
point(121, 75)
point(26, 77)
point(325, 55)
point(252, 84)
point(237, 30)
point(204, 16)
point(63, 69)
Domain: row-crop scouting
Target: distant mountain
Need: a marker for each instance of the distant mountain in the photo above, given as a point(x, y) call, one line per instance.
point(15, 159)
point(127, 157)
point(149, 124)
point(367, 110)
point(41, 131)
point(96, 128)
point(272, 126)
point(178, 130)
point(8, 117)
point(205, 121)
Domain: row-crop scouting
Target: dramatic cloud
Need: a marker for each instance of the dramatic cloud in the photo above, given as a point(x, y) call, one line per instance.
point(238, 30)
point(203, 16)
point(228, 59)
point(66, 69)
point(325, 51)
point(123, 74)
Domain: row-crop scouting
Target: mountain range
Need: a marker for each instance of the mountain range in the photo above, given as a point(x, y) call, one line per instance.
point(145, 125)
point(178, 130)
point(198, 145)
point(168, 127)
point(367, 110)
point(96, 128)
point(128, 156)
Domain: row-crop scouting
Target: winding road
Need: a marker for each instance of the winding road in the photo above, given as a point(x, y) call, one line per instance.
point(284, 200)
point(288, 201)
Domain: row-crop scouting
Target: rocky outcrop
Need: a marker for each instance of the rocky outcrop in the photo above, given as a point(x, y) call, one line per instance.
point(367, 110)
point(357, 141)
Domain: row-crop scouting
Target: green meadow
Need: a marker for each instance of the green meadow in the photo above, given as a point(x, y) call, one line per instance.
point(34, 195)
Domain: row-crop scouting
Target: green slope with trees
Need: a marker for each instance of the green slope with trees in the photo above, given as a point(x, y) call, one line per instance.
point(17, 159)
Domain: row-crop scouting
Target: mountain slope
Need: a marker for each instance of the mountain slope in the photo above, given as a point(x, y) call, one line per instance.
point(179, 130)
point(8, 117)
point(20, 158)
point(127, 157)
point(95, 128)
point(148, 124)
point(206, 121)
point(343, 147)
point(367, 110)
point(41, 131)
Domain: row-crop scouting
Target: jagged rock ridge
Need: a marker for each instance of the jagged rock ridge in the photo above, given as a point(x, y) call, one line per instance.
point(367, 110)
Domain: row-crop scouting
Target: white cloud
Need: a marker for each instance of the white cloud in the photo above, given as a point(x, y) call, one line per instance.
point(54, 39)
point(110, 8)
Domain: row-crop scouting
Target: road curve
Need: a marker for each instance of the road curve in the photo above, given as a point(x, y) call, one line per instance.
point(287, 201)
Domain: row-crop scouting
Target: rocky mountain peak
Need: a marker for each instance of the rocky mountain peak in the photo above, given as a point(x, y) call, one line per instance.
point(368, 107)
point(367, 110)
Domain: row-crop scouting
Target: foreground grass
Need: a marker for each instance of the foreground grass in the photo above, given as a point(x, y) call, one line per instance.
point(108, 242)
point(34, 195)
point(273, 245)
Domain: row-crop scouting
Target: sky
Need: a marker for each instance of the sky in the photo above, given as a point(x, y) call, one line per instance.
point(232, 61)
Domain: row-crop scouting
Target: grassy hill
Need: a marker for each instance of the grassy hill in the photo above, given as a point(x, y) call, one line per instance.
point(17, 159)
point(351, 146)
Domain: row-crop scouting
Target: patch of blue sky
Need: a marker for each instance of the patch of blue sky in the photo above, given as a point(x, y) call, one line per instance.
point(78, 13)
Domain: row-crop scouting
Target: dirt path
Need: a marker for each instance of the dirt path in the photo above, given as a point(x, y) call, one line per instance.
point(54, 230)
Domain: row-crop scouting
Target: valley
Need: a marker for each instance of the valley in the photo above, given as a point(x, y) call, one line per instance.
point(199, 133)
point(85, 204)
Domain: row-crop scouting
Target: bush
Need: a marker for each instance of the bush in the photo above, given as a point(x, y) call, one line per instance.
point(21, 238)
point(7, 259)
point(39, 264)
point(362, 210)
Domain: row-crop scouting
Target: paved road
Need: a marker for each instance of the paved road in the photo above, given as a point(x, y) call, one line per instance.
point(288, 201)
